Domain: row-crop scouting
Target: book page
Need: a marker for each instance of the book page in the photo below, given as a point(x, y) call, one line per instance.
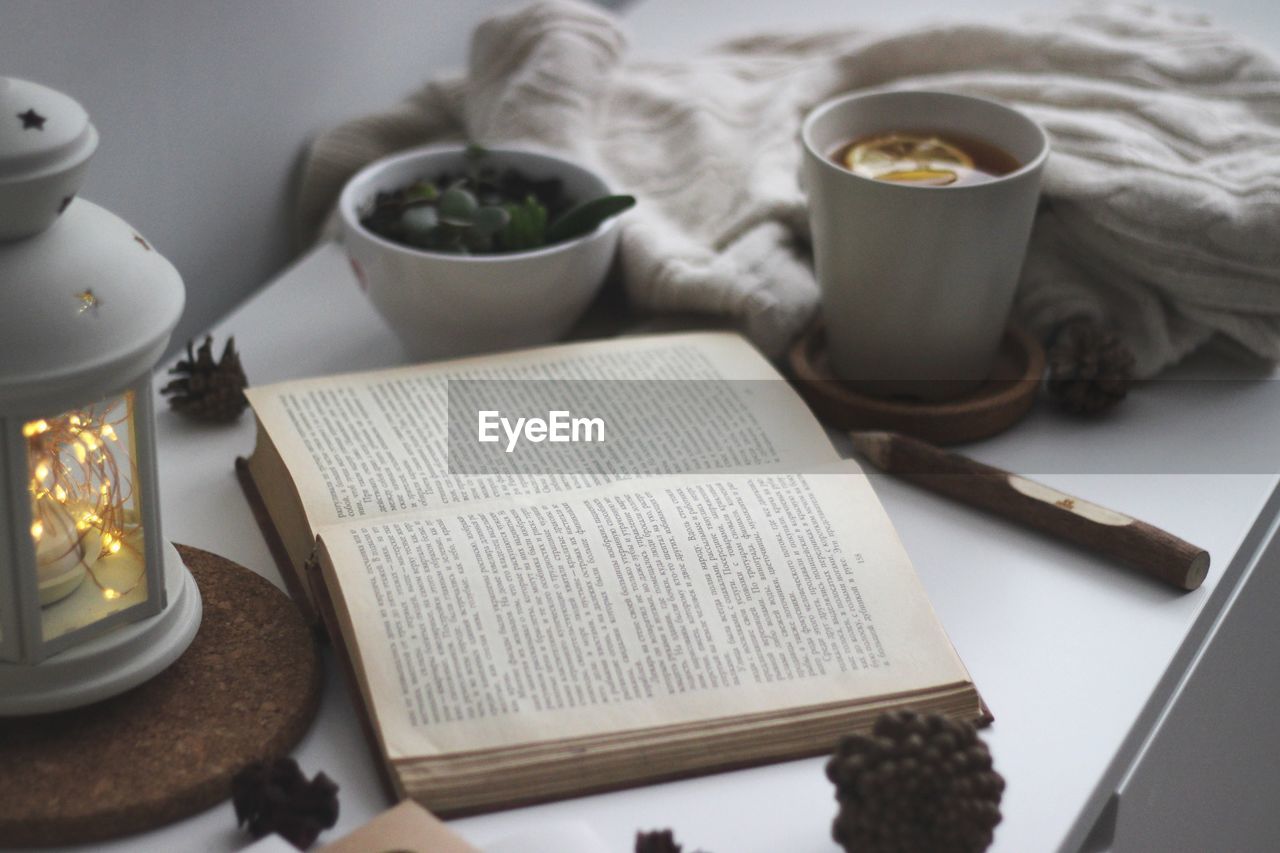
point(635, 604)
point(368, 444)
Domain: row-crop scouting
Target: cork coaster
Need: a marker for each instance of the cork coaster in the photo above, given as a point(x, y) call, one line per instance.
point(247, 689)
point(997, 404)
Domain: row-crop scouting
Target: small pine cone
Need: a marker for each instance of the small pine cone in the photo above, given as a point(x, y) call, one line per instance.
point(277, 797)
point(917, 782)
point(657, 841)
point(208, 390)
point(1090, 369)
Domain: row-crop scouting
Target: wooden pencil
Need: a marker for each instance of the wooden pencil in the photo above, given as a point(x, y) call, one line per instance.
point(1134, 543)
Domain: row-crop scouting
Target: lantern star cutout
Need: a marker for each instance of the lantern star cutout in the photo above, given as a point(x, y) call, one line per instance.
point(32, 119)
point(89, 302)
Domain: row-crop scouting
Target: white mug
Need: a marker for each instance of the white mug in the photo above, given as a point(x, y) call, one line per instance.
point(917, 281)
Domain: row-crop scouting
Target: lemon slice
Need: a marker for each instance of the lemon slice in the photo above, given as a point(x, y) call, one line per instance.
point(928, 177)
point(908, 158)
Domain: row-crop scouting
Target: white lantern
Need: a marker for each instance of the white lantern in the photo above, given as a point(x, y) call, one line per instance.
point(92, 599)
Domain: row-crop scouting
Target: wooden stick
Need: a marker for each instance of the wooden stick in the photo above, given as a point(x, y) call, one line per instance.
point(1135, 543)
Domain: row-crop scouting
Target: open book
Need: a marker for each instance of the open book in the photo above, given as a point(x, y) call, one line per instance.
point(520, 637)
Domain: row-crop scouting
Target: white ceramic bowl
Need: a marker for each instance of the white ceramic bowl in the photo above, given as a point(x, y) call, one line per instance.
point(442, 305)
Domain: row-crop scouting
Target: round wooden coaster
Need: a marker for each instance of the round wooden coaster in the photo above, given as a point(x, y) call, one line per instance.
point(246, 690)
point(993, 407)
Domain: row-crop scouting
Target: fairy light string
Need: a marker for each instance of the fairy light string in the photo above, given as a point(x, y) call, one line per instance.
point(80, 495)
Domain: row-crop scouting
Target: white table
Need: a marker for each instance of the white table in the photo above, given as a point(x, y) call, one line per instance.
point(1101, 681)
point(1077, 658)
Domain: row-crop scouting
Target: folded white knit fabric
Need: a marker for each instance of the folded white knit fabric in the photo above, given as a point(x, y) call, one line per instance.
point(1162, 214)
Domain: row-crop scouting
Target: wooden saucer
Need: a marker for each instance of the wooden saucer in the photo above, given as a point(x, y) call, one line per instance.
point(246, 690)
point(993, 407)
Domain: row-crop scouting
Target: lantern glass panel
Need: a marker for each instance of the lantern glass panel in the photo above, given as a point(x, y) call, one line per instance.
point(86, 513)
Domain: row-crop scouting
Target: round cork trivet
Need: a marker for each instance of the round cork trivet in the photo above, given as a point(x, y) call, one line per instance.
point(245, 690)
point(999, 403)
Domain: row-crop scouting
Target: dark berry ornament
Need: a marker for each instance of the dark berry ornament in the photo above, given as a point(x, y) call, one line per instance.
point(1090, 369)
point(917, 782)
point(657, 841)
point(208, 390)
point(276, 797)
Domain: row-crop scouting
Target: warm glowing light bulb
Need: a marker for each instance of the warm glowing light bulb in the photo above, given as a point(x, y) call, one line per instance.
point(105, 488)
point(34, 428)
point(78, 449)
point(110, 594)
point(108, 431)
point(37, 530)
point(42, 472)
point(60, 493)
point(90, 440)
point(114, 547)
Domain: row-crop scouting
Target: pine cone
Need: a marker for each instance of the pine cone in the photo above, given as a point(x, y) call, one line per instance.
point(277, 797)
point(1090, 369)
point(208, 390)
point(657, 841)
point(916, 783)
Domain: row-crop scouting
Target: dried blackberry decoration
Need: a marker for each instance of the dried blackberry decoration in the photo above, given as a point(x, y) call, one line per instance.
point(917, 782)
point(657, 841)
point(208, 390)
point(1090, 369)
point(276, 797)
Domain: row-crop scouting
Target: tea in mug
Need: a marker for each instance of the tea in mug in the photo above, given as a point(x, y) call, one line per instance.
point(925, 158)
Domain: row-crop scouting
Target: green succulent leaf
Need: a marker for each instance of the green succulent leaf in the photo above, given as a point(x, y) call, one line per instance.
point(422, 191)
point(526, 226)
point(458, 207)
point(418, 220)
point(587, 216)
point(490, 220)
point(475, 155)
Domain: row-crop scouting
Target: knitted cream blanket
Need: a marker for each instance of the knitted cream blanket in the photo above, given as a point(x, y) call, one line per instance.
point(1162, 213)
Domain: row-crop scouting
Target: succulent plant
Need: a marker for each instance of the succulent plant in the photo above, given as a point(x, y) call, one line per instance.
point(485, 211)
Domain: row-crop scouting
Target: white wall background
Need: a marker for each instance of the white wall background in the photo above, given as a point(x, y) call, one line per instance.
point(204, 106)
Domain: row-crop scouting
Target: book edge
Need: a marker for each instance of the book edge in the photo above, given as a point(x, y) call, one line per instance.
point(275, 544)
